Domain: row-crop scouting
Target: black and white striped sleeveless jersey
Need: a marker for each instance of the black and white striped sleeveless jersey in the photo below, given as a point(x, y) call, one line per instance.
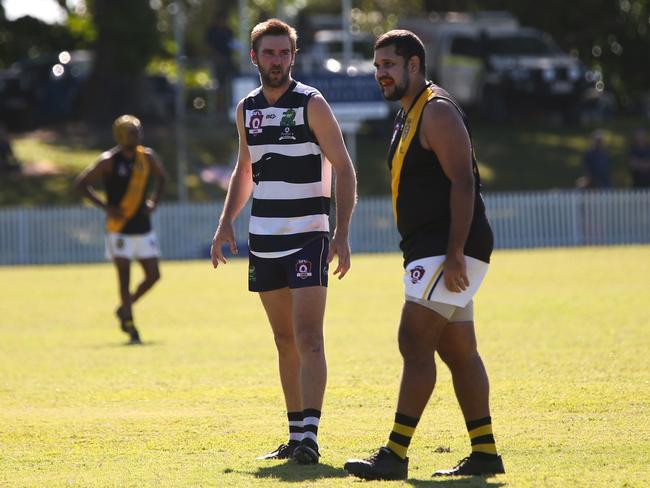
point(291, 195)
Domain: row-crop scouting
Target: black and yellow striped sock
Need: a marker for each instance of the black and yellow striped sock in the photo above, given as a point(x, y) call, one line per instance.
point(403, 431)
point(481, 437)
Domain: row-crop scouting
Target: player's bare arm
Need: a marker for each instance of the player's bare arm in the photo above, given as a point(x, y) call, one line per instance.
point(328, 134)
point(84, 183)
point(444, 132)
point(239, 191)
point(160, 179)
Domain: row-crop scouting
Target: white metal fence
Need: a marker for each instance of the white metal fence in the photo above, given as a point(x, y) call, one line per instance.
point(519, 220)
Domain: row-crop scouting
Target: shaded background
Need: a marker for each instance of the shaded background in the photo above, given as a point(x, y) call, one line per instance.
point(65, 78)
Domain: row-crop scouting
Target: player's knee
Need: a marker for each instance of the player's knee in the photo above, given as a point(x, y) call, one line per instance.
point(153, 276)
point(459, 357)
point(309, 342)
point(285, 343)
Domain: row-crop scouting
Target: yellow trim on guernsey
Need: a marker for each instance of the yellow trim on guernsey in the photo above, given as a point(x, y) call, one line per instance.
point(133, 196)
point(408, 131)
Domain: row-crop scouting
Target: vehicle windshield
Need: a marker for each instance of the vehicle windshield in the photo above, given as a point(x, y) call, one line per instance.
point(520, 45)
point(360, 49)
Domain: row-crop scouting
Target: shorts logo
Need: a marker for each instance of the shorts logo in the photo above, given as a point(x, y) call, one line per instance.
point(416, 274)
point(255, 123)
point(303, 269)
point(251, 273)
point(119, 243)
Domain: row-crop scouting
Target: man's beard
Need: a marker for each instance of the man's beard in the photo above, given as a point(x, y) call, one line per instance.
point(266, 77)
point(398, 90)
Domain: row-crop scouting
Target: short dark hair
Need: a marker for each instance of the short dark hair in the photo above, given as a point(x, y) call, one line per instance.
point(406, 45)
point(273, 27)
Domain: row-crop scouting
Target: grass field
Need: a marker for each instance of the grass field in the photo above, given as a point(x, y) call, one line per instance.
point(564, 335)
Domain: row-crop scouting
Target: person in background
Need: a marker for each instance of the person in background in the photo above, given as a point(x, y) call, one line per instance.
point(596, 164)
point(639, 159)
point(221, 41)
point(8, 161)
point(126, 171)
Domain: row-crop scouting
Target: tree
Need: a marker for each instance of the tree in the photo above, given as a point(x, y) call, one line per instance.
point(127, 39)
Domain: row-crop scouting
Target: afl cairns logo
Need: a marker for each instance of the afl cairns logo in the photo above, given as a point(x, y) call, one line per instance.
point(255, 122)
point(416, 274)
point(303, 269)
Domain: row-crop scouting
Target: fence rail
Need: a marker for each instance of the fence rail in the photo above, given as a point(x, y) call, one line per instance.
point(519, 220)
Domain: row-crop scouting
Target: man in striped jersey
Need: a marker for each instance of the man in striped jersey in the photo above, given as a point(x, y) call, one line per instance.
point(289, 141)
point(447, 243)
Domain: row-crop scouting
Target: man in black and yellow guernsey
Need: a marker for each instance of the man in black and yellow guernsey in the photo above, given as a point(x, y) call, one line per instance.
point(126, 172)
point(446, 243)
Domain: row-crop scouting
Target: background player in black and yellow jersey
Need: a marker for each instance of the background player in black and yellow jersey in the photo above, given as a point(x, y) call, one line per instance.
point(446, 242)
point(127, 171)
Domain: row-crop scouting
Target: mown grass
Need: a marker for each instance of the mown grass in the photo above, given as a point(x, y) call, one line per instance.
point(564, 334)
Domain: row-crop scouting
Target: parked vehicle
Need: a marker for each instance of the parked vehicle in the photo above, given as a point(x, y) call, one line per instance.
point(49, 89)
point(326, 54)
point(488, 61)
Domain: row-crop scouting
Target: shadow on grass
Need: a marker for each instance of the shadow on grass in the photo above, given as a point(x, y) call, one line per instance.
point(462, 482)
point(126, 344)
point(293, 472)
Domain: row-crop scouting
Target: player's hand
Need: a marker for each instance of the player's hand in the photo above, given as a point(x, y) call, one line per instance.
point(455, 273)
point(113, 211)
point(224, 234)
point(341, 247)
point(149, 206)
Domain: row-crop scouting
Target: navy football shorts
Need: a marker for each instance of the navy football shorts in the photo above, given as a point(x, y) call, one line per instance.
point(307, 267)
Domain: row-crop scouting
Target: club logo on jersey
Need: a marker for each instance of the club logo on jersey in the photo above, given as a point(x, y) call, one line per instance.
point(251, 274)
point(119, 243)
point(405, 133)
point(287, 135)
point(255, 122)
point(122, 170)
point(288, 118)
point(303, 269)
point(416, 274)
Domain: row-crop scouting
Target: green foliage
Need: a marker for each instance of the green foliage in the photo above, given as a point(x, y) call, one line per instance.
point(126, 34)
point(566, 352)
point(28, 37)
point(82, 28)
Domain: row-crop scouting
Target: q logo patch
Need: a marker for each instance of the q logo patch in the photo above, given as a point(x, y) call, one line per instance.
point(416, 274)
point(303, 269)
point(255, 122)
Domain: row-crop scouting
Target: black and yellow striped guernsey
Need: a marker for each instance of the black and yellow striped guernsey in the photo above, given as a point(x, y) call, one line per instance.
point(126, 187)
point(421, 190)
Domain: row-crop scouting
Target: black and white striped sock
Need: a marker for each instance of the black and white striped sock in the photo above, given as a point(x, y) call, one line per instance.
point(295, 428)
point(310, 419)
